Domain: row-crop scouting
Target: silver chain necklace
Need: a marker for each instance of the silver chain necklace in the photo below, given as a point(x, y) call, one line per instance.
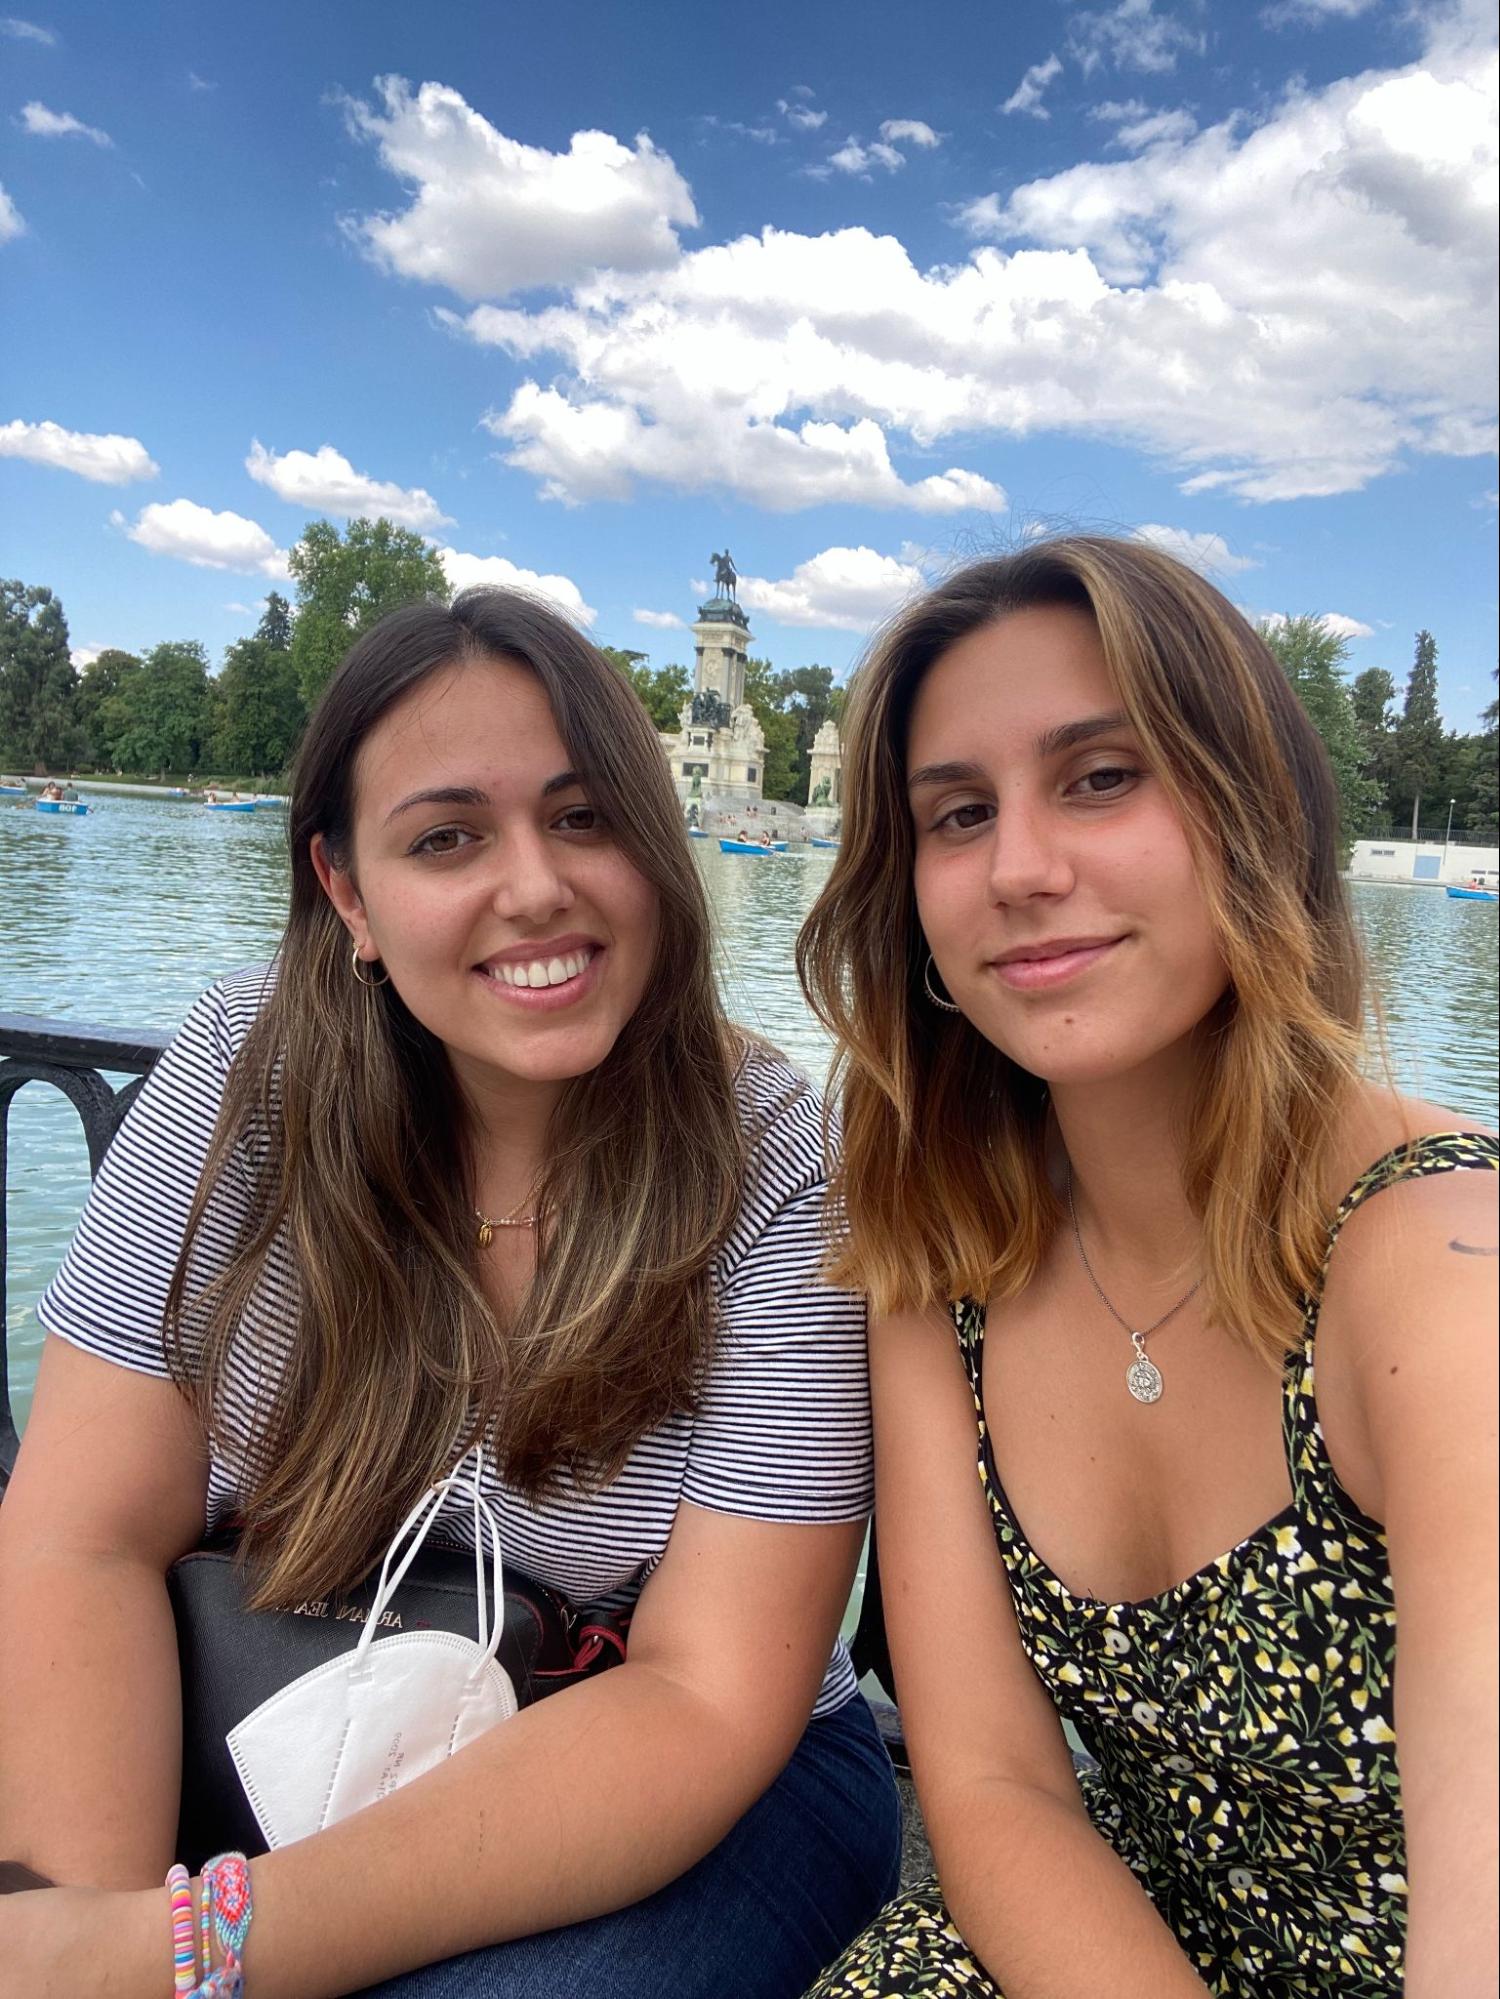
point(1143, 1376)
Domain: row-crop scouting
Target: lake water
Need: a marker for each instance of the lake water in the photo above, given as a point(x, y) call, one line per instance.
point(121, 918)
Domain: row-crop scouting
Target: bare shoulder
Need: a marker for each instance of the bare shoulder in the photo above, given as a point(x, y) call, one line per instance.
point(1415, 1264)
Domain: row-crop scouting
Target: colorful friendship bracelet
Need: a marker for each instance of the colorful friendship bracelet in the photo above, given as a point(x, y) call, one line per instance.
point(224, 1909)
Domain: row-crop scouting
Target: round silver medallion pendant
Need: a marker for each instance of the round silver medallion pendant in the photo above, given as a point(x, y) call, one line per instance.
point(1143, 1379)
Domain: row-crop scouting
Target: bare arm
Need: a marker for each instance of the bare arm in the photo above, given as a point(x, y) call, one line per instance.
point(1417, 1317)
point(1039, 1896)
point(579, 1805)
point(108, 1491)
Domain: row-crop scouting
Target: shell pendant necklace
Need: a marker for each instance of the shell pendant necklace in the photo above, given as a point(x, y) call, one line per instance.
point(1143, 1376)
point(514, 1220)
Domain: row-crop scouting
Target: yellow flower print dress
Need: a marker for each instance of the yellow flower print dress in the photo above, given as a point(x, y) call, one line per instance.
point(1241, 1724)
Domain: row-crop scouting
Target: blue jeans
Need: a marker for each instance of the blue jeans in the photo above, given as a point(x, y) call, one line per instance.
point(803, 1872)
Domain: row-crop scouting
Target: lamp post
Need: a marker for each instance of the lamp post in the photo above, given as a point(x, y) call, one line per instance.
point(1449, 827)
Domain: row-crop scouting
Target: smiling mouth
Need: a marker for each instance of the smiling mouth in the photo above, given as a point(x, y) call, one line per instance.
point(536, 974)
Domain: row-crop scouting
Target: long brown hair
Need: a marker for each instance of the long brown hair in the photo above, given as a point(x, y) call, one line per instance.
point(943, 1180)
point(343, 1121)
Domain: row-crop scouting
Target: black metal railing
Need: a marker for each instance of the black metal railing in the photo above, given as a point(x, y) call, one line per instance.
point(72, 1058)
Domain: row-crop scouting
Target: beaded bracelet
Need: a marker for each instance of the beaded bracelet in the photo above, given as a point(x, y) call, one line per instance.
point(184, 1954)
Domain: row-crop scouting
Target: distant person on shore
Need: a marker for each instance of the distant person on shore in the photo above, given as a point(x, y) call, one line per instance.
point(1113, 1168)
point(480, 1158)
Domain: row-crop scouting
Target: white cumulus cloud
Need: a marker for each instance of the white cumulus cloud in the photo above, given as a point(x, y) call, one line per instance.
point(1287, 304)
point(1026, 98)
point(208, 540)
point(1208, 553)
point(1333, 622)
point(84, 656)
point(27, 31)
point(324, 479)
point(840, 589)
point(800, 115)
point(45, 124)
point(1131, 35)
point(659, 621)
point(909, 132)
point(104, 457)
point(11, 223)
point(463, 571)
point(489, 215)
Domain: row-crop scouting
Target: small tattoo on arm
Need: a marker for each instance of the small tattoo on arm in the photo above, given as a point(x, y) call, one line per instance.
point(1474, 1248)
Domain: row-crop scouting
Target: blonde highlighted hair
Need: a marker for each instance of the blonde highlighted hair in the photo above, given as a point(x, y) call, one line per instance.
point(943, 1179)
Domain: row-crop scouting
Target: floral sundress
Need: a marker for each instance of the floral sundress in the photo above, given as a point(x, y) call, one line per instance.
point(1241, 1723)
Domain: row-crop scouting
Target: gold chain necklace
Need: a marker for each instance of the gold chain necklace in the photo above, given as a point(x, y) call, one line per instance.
point(514, 1220)
point(1143, 1376)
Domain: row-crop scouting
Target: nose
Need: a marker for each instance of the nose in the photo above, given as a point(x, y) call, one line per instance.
point(1028, 852)
point(530, 885)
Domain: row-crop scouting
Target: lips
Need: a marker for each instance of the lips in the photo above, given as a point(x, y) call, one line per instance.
point(1039, 967)
point(545, 976)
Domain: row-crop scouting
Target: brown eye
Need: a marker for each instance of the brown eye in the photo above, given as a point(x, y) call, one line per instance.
point(441, 840)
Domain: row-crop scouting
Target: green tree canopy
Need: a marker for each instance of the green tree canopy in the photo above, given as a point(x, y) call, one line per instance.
point(764, 695)
point(1419, 753)
point(38, 730)
point(663, 689)
point(258, 711)
point(346, 582)
point(158, 720)
point(1312, 658)
point(99, 683)
point(275, 627)
point(1482, 808)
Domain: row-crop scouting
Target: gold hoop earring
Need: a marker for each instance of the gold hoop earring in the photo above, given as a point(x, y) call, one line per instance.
point(927, 971)
point(370, 985)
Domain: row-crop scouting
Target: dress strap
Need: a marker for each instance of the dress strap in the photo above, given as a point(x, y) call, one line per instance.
point(1311, 1469)
point(1436, 1152)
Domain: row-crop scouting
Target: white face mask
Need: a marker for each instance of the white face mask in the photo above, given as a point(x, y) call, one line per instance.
point(361, 1725)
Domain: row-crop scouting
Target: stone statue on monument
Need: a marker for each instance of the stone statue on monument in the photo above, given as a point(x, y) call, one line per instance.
point(726, 576)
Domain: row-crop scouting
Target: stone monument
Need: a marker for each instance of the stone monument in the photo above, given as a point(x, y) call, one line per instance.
point(825, 773)
point(718, 751)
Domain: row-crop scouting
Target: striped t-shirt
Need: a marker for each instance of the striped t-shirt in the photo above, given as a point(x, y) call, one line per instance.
point(782, 1427)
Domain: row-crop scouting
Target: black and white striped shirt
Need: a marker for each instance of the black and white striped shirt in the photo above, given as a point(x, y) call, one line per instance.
point(782, 1430)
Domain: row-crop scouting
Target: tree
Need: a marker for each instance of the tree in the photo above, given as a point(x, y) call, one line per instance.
point(1419, 754)
point(101, 681)
point(1482, 813)
point(806, 694)
point(779, 773)
point(275, 627)
point(1372, 693)
point(38, 682)
point(662, 689)
point(259, 714)
point(159, 718)
point(345, 583)
point(1312, 658)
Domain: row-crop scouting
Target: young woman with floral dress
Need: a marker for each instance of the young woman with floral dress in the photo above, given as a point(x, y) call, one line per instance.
point(1212, 1311)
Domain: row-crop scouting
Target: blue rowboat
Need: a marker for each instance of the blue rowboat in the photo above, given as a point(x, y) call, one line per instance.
point(696, 833)
point(70, 806)
point(822, 843)
point(229, 805)
point(1474, 894)
point(751, 847)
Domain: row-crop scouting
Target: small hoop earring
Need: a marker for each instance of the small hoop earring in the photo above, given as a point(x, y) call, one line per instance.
point(370, 985)
point(927, 971)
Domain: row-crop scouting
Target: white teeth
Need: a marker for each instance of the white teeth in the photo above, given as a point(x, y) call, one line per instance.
point(543, 971)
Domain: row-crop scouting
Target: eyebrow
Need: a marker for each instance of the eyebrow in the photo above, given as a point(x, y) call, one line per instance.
point(1066, 736)
point(470, 794)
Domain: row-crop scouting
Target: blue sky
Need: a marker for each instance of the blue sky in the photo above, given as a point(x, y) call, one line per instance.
point(586, 292)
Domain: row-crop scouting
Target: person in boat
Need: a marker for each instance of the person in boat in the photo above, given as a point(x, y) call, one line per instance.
point(479, 1157)
point(52, 790)
point(1113, 1171)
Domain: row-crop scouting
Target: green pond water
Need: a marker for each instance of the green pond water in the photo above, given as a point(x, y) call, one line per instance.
point(121, 918)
